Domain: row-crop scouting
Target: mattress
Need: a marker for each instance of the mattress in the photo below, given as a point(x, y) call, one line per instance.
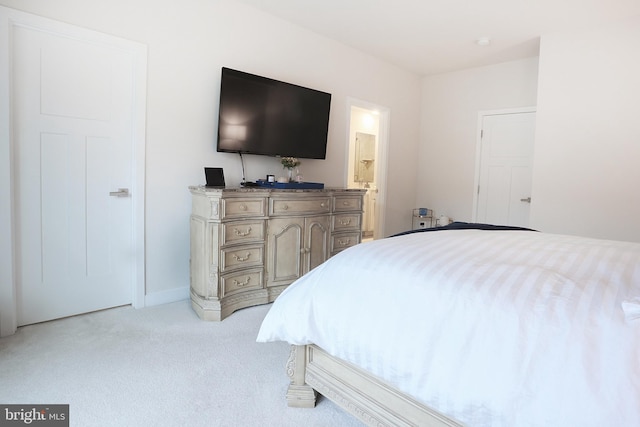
point(490, 327)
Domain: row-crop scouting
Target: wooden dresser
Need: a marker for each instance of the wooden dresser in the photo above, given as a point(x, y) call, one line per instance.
point(249, 244)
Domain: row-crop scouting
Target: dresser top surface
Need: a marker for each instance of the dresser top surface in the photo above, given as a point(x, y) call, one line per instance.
point(201, 189)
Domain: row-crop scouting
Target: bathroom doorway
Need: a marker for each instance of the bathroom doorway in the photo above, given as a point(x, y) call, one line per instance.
point(366, 167)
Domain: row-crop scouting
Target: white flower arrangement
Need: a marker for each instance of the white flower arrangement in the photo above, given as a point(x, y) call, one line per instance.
point(289, 162)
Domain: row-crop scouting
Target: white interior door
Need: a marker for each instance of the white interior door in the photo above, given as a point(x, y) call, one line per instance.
point(373, 120)
point(506, 155)
point(73, 150)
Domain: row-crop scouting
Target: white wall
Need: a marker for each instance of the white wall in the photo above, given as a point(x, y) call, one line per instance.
point(450, 106)
point(188, 42)
point(586, 164)
point(585, 172)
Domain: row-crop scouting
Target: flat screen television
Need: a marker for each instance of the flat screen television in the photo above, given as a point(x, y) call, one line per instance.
point(259, 115)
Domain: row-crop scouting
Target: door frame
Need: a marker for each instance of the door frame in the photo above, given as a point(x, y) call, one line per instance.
point(382, 154)
point(481, 116)
point(10, 18)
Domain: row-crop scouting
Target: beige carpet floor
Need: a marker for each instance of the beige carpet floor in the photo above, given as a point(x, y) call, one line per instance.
point(157, 366)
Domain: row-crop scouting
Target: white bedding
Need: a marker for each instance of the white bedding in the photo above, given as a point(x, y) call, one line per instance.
point(492, 328)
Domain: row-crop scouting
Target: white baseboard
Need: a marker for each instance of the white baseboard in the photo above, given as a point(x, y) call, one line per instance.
point(166, 297)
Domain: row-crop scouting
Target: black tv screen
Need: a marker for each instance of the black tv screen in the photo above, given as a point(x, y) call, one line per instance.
point(259, 115)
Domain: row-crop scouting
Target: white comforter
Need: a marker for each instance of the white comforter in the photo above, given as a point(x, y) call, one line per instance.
point(492, 328)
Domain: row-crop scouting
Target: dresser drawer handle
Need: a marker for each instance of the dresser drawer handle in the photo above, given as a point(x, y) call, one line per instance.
point(242, 259)
point(344, 242)
point(243, 207)
point(346, 203)
point(285, 207)
point(323, 205)
point(345, 221)
point(241, 284)
point(241, 233)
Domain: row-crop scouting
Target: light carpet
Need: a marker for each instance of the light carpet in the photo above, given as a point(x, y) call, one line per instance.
point(157, 366)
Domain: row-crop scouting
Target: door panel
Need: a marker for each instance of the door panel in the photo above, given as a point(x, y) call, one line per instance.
point(506, 157)
point(316, 242)
point(497, 199)
point(72, 119)
point(285, 242)
point(520, 191)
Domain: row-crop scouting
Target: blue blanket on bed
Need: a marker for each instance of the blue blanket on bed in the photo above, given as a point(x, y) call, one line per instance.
point(464, 226)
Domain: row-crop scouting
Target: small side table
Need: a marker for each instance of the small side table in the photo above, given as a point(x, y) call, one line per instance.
point(422, 218)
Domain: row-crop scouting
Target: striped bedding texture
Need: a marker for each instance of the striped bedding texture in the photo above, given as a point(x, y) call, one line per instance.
point(492, 328)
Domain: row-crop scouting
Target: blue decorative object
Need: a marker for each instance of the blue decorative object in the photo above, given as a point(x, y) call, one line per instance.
point(291, 185)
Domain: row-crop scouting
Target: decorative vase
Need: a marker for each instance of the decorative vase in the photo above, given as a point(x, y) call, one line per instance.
point(290, 174)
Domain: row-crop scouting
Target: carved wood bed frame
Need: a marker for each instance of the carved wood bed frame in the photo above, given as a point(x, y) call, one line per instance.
point(368, 398)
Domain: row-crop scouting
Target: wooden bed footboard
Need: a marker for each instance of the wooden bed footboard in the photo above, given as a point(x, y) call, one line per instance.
point(366, 397)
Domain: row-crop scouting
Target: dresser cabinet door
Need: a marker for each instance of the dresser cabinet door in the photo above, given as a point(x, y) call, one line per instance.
point(316, 242)
point(296, 246)
point(285, 250)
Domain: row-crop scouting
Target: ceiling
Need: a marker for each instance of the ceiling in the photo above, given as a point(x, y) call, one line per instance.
point(435, 36)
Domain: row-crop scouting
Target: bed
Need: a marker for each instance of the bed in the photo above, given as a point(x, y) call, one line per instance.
point(468, 325)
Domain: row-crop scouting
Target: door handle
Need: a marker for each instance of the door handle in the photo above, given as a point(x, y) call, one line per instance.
point(122, 192)
point(527, 200)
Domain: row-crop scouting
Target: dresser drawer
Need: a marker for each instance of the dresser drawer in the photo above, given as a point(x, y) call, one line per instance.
point(346, 222)
point(241, 257)
point(243, 207)
point(348, 203)
point(241, 281)
point(343, 241)
point(315, 205)
point(242, 232)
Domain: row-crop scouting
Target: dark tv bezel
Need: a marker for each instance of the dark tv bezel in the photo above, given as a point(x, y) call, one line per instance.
point(270, 81)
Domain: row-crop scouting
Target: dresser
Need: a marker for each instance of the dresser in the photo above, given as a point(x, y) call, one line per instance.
point(249, 244)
